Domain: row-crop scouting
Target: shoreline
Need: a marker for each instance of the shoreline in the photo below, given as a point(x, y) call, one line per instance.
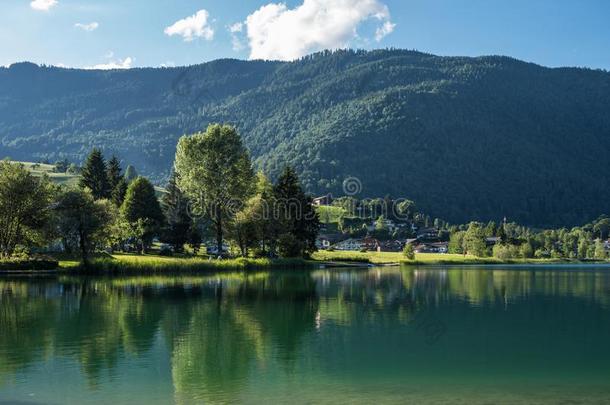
point(120, 264)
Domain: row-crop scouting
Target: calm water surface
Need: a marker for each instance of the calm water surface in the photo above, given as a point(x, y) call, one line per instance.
point(442, 335)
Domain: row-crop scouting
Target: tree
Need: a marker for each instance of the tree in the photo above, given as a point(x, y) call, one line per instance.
point(600, 250)
point(82, 222)
point(118, 193)
point(456, 243)
point(177, 219)
point(130, 174)
point(474, 240)
point(215, 173)
point(408, 251)
point(25, 207)
point(94, 176)
point(141, 210)
point(114, 172)
point(298, 220)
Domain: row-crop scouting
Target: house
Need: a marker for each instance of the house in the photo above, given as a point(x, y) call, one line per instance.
point(392, 246)
point(324, 200)
point(427, 233)
point(492, 241)
point(349, 244)
point(325, 241)
point(370, 244)
point(387, 224)
point(435, 247)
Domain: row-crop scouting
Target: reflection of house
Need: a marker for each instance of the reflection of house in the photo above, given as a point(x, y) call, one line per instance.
point(427, 233)
point(436, 247)
point(324, 200)
point(349, 244)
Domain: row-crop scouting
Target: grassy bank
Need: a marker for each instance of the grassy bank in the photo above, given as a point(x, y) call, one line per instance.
point(386, 258)
point(131, 263)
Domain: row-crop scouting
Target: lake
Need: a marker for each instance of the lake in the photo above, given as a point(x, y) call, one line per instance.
point(380, 335)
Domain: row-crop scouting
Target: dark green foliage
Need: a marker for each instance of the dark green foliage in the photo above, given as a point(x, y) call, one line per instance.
point(178, 222)
point(94, 176)
point(466, 138)
point(130, 174)
point(80, 221)
point(141, 211)
point(299, 222)
point(118, 193)
point(113, 172)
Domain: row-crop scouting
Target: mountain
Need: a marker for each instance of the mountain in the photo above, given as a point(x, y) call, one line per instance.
point(466, 138)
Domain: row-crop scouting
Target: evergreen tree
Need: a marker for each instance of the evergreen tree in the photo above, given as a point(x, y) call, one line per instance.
point(94, 176)
point(113, 172)
point(130, 174)
point(118, 193)
point(177, 219)
point(299, 221)
point(141, 210)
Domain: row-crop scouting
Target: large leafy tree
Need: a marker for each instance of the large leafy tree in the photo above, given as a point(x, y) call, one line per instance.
point(177, 219)
point(94, 176)
point(299, 221)
point(83, 222)
point(142, 212)
point(25, 207)
point(215, 172)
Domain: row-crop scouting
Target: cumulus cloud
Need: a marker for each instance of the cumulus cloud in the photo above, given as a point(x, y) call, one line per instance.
point(384, 30)
point(195, 26)
point(276, 32)
point(87, 27)
point(116, 64)
point(43, 5)
point(235, 30)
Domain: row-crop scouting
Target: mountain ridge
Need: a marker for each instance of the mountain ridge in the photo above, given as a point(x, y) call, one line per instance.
point(466, 138)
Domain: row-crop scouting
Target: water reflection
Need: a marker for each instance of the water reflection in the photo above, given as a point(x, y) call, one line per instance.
point(236, 336)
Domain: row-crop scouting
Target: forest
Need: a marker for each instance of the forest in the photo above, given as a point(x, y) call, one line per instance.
point(467, 138)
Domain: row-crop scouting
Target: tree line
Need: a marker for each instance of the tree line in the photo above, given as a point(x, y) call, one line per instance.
point(213, 191)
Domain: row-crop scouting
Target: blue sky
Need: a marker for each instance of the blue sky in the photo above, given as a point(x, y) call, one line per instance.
point(130, 33)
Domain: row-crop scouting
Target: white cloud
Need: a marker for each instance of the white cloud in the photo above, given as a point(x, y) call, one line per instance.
point(43, 5)
point(235, 30)
point(116, 64)
point(386, 29)
point(87, 27)
point(195, 26)
point(277, 32)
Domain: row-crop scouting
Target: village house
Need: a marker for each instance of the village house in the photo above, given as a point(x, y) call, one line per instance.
point(349, 244)
point(427, 233)
point(325, 241)
point(435, 247)
point(323, 200)
point(371, 244)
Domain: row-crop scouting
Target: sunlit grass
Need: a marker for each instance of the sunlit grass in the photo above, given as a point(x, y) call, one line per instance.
point(123, 262)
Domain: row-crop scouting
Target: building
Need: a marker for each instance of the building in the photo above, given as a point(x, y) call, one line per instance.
point(325, 241)
point(371, 244)
point(324, 200)
point(427, 233)
point(349, 244)
point(435, 247)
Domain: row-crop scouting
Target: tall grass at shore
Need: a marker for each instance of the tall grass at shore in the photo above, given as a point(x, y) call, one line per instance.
point(131, 263)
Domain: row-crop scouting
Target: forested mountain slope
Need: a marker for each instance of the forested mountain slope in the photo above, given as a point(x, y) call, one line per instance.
point(466, 138)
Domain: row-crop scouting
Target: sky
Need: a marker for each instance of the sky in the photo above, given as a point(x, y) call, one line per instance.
point(134, 33)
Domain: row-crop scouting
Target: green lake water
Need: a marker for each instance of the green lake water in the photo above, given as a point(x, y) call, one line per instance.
point(394, 335)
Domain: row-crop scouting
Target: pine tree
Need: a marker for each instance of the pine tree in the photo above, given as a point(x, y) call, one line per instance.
point(299, 222)
point(118, 193)
point(114, 172)
point(94, 176)
point(178, 221)
point(130, 174)
point(141, 210)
